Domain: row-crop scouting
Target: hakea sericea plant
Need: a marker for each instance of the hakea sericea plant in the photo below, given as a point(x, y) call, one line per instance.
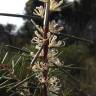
point(47, 57)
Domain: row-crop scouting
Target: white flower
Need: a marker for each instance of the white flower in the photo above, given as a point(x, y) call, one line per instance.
point(55, 27)
point(53, 42)
point(38, 39)
point(38, 35)
point(39, 11)
point(54, 85)
point(32, 54)
point(56, 61)
point(55, 6)
point(53, 80)
point(52, 53)
point(37, 67)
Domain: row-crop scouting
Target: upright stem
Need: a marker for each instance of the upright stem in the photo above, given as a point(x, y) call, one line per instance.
point(46, 29)
point(45, 49)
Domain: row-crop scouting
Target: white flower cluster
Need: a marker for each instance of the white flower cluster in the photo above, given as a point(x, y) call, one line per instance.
point(39, 11)
point(54, 6)
point(53, 44)
point(54, 85)
point(53, 28)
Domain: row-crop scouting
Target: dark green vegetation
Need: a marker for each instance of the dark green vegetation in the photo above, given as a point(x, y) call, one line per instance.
point(79, 56)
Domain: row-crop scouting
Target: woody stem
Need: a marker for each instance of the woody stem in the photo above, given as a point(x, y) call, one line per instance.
point(45, 48)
